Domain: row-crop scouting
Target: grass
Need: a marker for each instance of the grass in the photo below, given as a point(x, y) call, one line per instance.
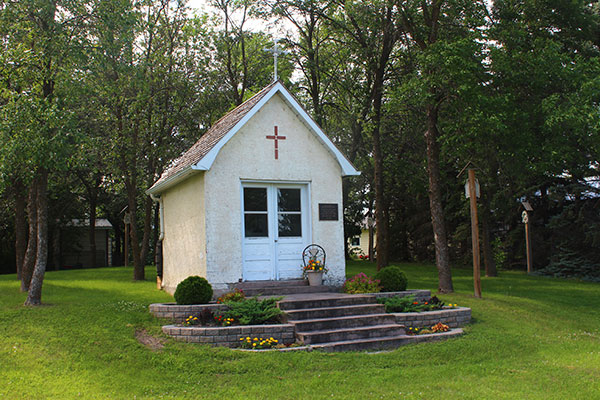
point(531, 338)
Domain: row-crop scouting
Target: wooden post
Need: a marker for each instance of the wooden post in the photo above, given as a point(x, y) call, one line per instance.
point(528, 242)
point(474, 234)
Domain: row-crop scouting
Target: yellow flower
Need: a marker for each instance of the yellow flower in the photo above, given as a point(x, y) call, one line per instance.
point(253, 344)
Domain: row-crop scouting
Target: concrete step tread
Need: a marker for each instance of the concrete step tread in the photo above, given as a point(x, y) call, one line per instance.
point(344, 330)
point(315, 302)
point(344, 318)
point(384, 341)
point(334, 308)
point(362, 342)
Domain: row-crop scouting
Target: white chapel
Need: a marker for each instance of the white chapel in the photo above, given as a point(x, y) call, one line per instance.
point(244, 201)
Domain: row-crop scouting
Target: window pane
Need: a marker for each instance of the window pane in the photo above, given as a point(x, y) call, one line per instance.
point(288, 199)
point(290, 225)
point(255, 199)
point(256, 225)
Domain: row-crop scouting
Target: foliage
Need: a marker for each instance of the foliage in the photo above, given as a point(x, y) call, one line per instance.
point(223, 321)
point(361, 283)
point(256, 343)
point(314, 265)
point(253, 311)
point(193, 290)
point(191, 320)
point(206, 316)
point(439, 327)
point(392, 279)
point(236, 295)
point(397, 304)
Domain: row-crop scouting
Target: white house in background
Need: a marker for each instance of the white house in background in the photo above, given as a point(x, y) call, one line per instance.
point(244, 201)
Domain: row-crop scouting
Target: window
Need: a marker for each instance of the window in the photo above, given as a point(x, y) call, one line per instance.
point(256, 220)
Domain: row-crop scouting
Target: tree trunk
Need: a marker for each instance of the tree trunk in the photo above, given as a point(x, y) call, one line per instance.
point(381, 221)
point(34, 297)
point(442, 256)
point(29, 259)
point(138, 267)
point(20, 228)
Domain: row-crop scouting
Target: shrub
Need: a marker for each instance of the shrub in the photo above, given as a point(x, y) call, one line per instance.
point(193, 290)
point(253, 311)
point(392, 279)
point(206, 316)
point(400, 304)
point(409, 304)
point(361, 283)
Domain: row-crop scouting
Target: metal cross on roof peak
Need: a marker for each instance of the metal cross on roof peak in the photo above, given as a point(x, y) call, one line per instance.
point(276, 50)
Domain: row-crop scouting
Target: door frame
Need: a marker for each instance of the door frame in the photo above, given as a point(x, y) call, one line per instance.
point(305, 187)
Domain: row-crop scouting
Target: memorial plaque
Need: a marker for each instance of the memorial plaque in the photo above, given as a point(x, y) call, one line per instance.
point(328, 212)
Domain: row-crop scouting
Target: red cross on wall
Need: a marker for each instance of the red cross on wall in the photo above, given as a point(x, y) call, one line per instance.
point(276, 138)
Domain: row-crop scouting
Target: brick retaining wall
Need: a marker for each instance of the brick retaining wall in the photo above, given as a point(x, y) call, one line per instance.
point(420, 295)
point(229, 336)
point(178, 313)
point(453, 317)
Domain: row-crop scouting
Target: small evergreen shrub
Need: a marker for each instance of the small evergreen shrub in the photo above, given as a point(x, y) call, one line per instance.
point(361, 283)
point(392, 279)
point(253, 311)
point(193, 290)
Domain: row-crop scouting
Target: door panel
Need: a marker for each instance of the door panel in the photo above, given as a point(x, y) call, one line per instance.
point(276, 228)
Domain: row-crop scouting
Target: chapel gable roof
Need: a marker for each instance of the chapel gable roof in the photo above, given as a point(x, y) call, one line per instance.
point(201, 154)
point(211, 137)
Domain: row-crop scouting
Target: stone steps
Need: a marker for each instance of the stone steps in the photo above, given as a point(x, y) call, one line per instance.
point(282, 291)
point(325, 312)
point(325, 302)
point(350, 321)
point(378, 343)
point(346, 334)
point(279, 288)
point(343, 322)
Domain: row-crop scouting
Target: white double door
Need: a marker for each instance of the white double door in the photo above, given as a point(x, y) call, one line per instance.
point(275, 229)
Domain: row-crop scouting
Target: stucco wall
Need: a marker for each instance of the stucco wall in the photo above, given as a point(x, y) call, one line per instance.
point(184, 246)
point(250, 156)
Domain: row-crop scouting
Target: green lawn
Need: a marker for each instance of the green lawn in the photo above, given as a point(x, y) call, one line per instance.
point(531, 338)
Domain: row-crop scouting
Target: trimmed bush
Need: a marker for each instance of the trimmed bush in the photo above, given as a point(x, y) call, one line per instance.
point(193, 290)
point(392, 279)
point(361, 283)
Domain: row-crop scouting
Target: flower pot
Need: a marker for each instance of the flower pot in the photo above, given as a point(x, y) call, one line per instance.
point(315, 278)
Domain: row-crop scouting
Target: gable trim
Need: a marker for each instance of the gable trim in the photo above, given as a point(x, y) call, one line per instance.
point(207, 161)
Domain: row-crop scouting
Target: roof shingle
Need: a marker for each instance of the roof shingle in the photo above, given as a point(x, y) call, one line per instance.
point(211, 137)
